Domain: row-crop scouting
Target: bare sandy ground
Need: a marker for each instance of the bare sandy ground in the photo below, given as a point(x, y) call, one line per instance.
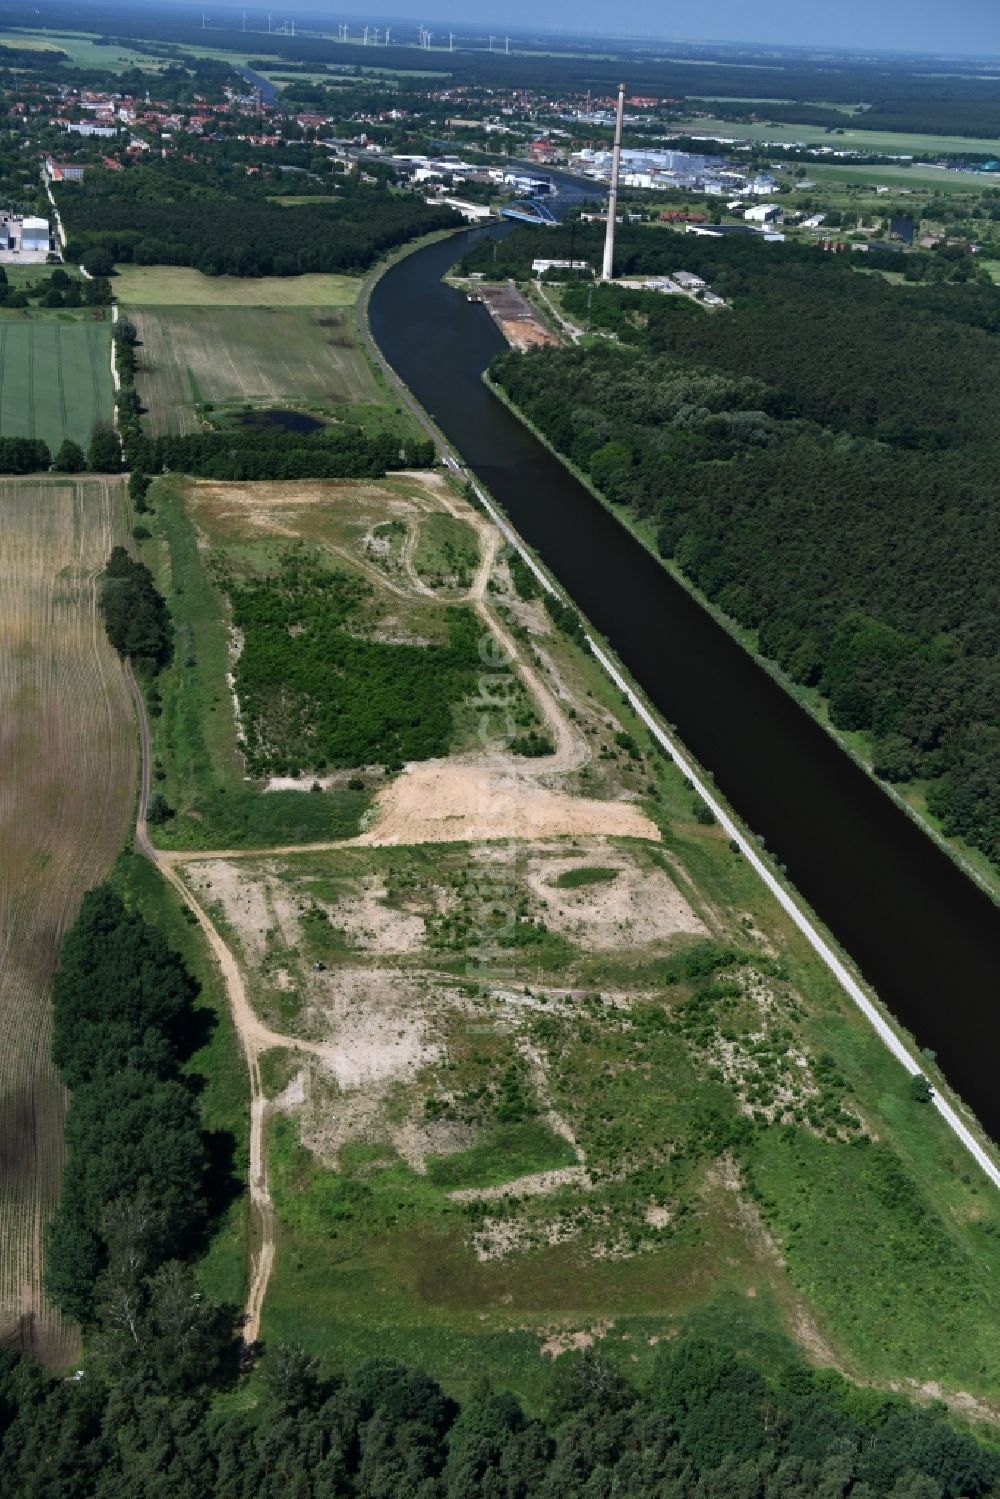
point(636, 908)
point(441, 801)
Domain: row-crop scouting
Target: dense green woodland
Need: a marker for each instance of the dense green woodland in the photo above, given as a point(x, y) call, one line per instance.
point(222, 223)
point(708, 1427)
point(821, 461)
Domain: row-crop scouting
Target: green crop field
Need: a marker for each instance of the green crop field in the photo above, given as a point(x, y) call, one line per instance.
point(885, 142)
point(916, 178)
point(55, 378)
point(84, 49)
point(237, 356)
point(179, 286)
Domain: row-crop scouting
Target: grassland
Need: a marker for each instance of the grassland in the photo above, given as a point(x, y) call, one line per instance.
point(179, 286)
point(233, 357)
point(55, 377)
point(84, 50)
point(66, 787)
point(613, 1138)
point(883, 143)
point(916, 179)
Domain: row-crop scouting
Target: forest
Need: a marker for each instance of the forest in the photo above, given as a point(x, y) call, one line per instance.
point(223, 224)
point(820, 461)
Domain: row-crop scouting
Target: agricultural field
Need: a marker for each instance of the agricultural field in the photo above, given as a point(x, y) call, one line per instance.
point(307, 358)
point(67, 773)
point(882, 143)
point(55, 377)
point(916, 179)
point(84, 50)
point(179, 286)
point(538, 1062)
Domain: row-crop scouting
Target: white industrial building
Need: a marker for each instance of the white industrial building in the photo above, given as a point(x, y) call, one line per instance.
point(763, 213)
point(24, 240)
point(541, 266)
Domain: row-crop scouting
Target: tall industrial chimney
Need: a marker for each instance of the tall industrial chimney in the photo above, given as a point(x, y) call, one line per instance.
point(616, 161)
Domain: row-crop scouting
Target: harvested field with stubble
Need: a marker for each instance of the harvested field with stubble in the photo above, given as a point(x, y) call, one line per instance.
point(256, 356)
point(67, 769)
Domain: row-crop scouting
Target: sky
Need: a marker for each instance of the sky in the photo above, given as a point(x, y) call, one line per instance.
point(968, 26)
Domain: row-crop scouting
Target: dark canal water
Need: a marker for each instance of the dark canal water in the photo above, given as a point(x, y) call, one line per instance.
point(920, 931)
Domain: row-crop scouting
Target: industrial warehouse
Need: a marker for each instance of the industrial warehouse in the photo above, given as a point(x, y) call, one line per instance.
point(24, 240)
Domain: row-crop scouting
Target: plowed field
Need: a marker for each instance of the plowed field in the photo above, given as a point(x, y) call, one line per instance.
point(67, 766)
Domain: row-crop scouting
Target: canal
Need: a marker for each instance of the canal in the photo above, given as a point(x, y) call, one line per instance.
point(922, 934)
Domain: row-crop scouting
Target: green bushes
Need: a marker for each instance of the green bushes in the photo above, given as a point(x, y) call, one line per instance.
point(566, 619)
point(312, 694)
point(135, 615)
point(524, 580)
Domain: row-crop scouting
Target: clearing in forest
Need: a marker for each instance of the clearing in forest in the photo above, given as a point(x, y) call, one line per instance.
point(66, 787)
point(55, 378)
point(231, 357)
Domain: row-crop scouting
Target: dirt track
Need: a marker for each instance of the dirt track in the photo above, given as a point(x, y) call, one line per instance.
point(473, 798)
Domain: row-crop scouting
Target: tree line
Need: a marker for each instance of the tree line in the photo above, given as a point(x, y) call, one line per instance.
point(820, 461)
point(708, 1425)
point(136, 1192)
point(271, 453)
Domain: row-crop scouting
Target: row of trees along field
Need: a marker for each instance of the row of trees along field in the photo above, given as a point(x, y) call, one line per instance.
point(31, 455)
point(222, 222)
point(271, 453)
point(821, 461)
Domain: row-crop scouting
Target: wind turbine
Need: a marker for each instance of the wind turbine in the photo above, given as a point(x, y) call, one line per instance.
point(451, 41)
point(269, 20)
point(492, 40)
point(365, 37)
point(204, 23)
point(427, 38)
point(506, 45)
point(244, 20)
point(387, 36)
point(377, 35)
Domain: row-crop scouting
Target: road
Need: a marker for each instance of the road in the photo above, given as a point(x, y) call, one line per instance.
point(254, 1037)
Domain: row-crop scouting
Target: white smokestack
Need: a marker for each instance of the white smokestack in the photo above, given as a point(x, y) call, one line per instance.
point(616, 161)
